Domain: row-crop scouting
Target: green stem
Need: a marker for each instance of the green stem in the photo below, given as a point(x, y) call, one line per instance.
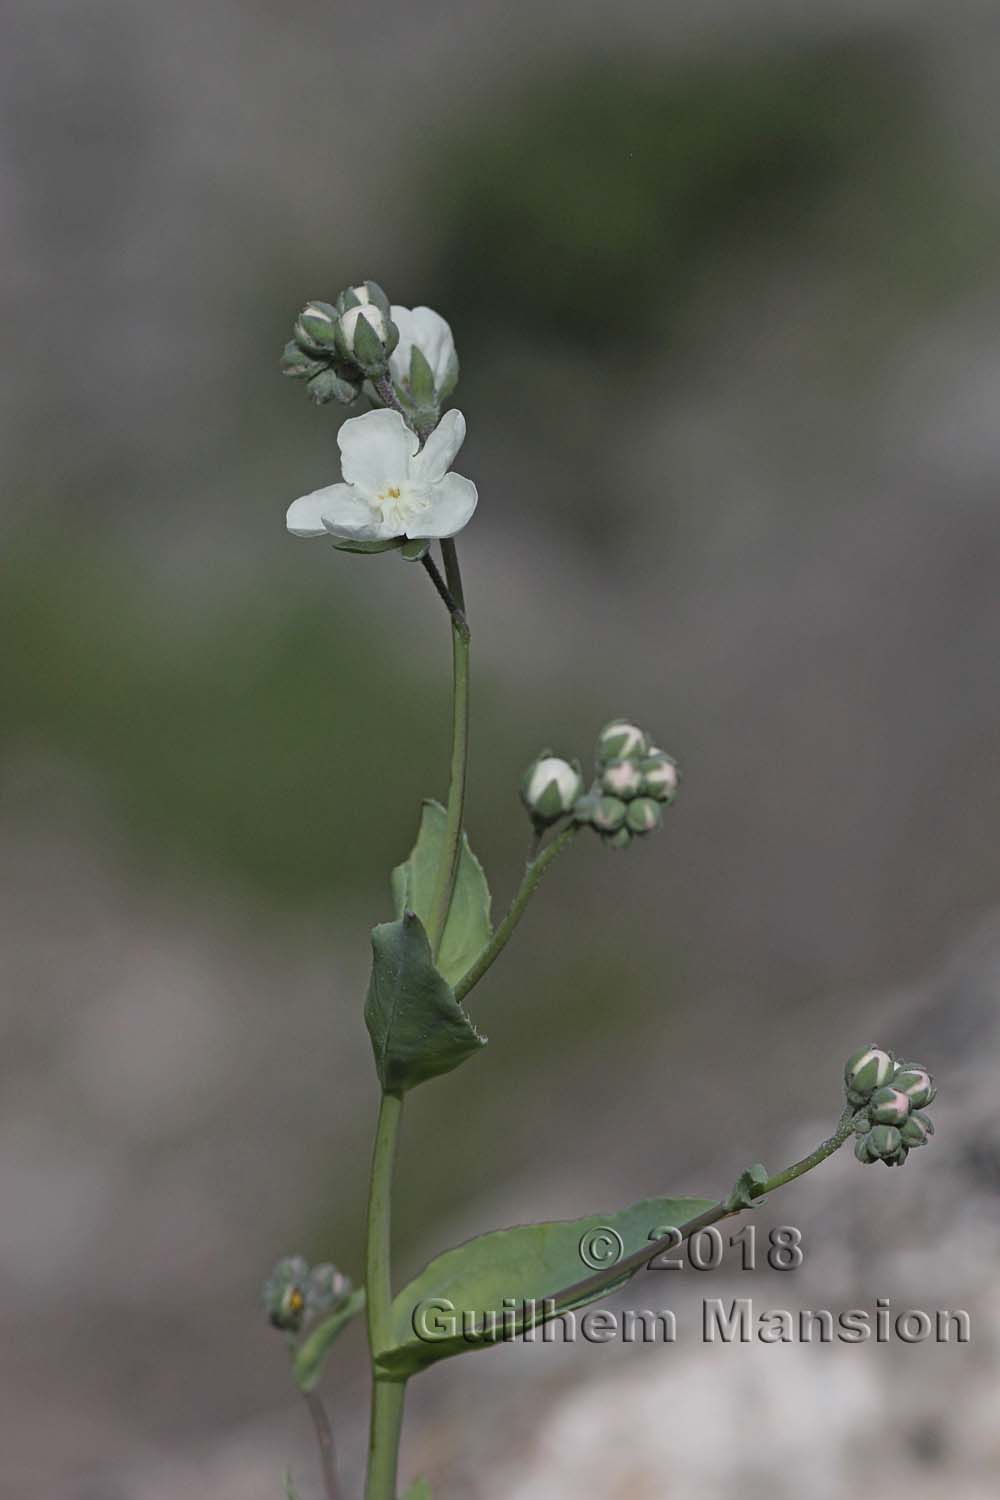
point(592, 1286)
point(532, 875)
point(378, 1262)
point(387, 1407)
point(452, 850)
point(383, 1445)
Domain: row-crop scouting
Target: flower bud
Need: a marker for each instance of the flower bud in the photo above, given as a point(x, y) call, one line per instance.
point(917, 1131)
point(889, 1106)
point(285, 1293)
point(550, 788)
point(885, 1143)
point(867, 1070)
point(609, 814)
point(315, 328)
point(916, 1083)
point(326, 1289)
point(328, 385)
point(296, 363)
point(621, 739)
point(619, 840)
point(621, 778)
point(644, 815)
point(365, 294)
point(862, 1152)
point(659, 777)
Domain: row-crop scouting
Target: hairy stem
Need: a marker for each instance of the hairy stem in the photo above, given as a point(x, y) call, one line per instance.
point(324, 1436)
point(532, 875)
point(451, 852)
point(592, 1286)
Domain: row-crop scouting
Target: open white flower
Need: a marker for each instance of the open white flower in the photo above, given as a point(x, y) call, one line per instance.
point(428, 331)
point(392, 487)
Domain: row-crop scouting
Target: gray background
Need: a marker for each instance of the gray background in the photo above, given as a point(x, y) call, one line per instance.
point(724, 287)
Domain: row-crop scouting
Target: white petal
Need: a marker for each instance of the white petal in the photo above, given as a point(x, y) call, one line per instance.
point(451, 507)
point(429, 331)
point(438, 453)
point(375, 450)
point(305, 515)
point(346, 514)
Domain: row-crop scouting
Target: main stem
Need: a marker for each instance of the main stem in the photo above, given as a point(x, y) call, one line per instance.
point(452, 850)
point(387, 1395)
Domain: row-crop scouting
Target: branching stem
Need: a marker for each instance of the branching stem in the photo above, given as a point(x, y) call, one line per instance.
point(532, 875)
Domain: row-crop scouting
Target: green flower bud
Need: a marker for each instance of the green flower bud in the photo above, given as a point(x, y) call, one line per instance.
point(619, 740)
point(609, 814)
point(867, 1070)
point(286, 1291)
point(885, 1143)
point(619, 840)
point(315, 328)
point(365, 294)
point(644, 815)
point(621, 778)
point(917, 1131)
point(889, 1106)
point(550, 788)
point(916, 1083)
point(862, 1152)
point(298, 364)
point(328, 385)
point(659, 777)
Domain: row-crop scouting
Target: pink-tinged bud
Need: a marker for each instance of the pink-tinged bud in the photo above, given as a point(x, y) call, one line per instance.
point(916, 1083)
point(622, 778)
point(889, 1106)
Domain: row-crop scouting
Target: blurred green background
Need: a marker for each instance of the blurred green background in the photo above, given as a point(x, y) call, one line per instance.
point(724, 291)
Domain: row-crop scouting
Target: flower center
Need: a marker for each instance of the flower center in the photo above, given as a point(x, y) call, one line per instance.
point(397, 504)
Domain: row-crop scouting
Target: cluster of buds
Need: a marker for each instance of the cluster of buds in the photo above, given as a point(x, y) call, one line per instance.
point(336, 346)
point(890, 1097)
point(633, 783)
point(296, 1295)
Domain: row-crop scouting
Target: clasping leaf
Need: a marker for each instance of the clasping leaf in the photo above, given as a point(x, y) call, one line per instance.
point(415, 883)
point(417, 1027)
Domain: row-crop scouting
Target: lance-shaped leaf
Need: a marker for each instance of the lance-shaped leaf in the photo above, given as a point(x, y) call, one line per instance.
point(415, 883)
point(310, 1356)
point(493, 1287)
point(417, 1027)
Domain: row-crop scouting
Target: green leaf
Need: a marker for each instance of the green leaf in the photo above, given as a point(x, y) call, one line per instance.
point(746, 1189)
point(310, 1357)
point(417, 1027)
point(414, 885)
point(421, 378)
point(491, 1278)
point(419, 1490)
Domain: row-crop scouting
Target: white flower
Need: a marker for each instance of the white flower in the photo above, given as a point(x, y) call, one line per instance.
point(392, 487)
point(423, 327)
